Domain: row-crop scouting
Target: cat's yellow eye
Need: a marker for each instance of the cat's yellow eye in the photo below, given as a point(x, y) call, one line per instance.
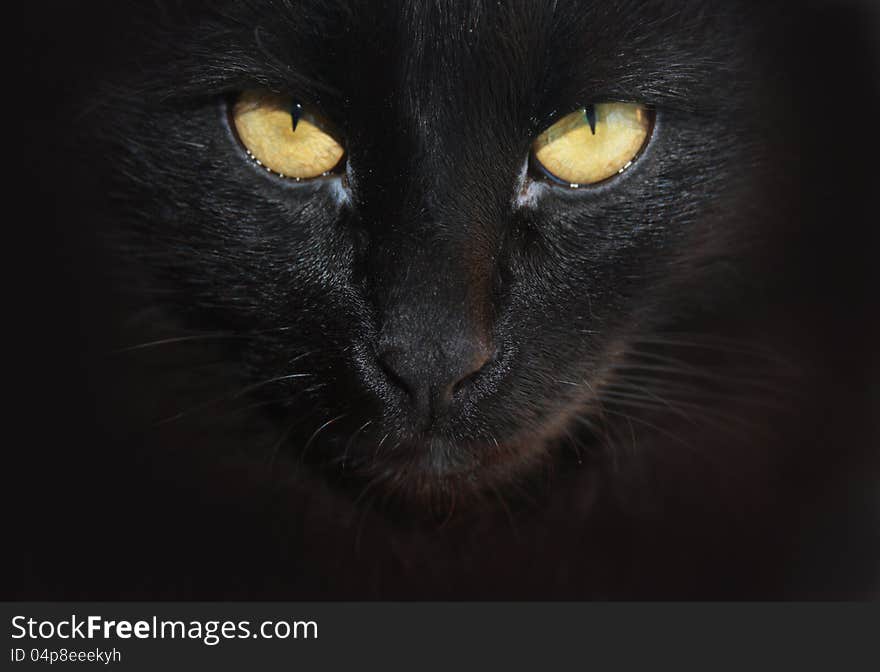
point(283, 137)
point(593, 143)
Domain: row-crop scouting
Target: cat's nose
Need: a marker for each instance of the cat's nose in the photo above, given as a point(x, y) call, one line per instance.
point(433, 378)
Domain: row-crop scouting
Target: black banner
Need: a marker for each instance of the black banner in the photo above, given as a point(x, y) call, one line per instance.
point(406, 636)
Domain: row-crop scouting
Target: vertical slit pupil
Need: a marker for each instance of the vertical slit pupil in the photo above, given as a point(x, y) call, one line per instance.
point(296, 111)
point(590, 115)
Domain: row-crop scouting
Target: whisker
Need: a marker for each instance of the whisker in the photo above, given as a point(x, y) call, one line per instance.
point(277, 379)
point(276, 446)
point(701, 374)
point(216, 335)
point(177, 339)
point(640, 393)
point(635, 398)
point(718, 344)
point(225, 398)
point(351, 440)
point(682, 392)
point(651, 425)
point(367, 488)
point(708, 416)
point(509, 514)
point(315, 434)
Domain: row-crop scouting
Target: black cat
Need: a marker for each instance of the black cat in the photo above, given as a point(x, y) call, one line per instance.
point(456, 300)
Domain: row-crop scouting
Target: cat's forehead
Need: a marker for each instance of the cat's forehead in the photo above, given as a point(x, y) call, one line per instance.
point(441, 50)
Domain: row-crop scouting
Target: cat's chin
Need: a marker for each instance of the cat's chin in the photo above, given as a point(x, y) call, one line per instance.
point(432, 479)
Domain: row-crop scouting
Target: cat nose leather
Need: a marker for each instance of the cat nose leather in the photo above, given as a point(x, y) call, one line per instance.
point(433, 378)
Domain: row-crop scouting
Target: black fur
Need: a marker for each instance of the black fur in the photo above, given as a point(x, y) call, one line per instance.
point(671, 404)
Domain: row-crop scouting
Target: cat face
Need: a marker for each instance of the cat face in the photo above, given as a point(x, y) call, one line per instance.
point(437, 315)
